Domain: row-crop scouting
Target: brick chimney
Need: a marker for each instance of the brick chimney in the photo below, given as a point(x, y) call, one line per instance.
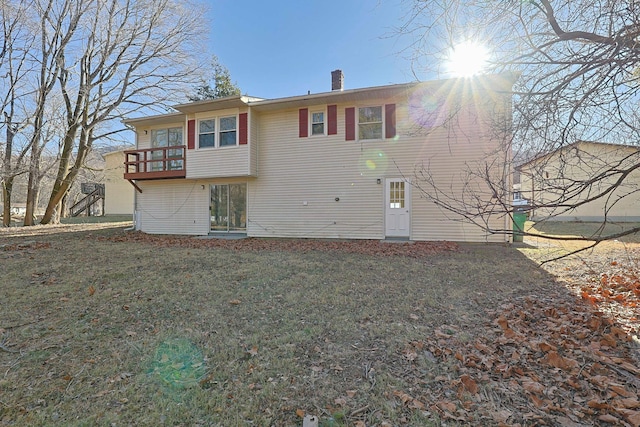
point(337, 80)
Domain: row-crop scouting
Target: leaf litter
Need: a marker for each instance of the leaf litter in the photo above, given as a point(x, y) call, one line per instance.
point(556, 359)
point(545, 359)
point(550, 360)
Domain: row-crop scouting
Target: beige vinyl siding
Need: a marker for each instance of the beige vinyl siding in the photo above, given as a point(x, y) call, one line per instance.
point(118, 192)
point(143, 139)
point(300, 178)
point(143, 134)
point(313, 170)
point(456, 157)
point(581, 162)
point(253, 143)
point(173, 206)
point(216, 162)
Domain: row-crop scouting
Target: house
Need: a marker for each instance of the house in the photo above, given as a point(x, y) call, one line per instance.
point(118, 192)
point(340, 164)
point(572, 183)
point(19, 209)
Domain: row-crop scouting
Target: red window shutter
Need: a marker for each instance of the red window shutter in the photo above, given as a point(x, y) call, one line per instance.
point(243, 127)
point(390, 120)
point(303, 119)
point(332, 119)
point(350, 124)
point(191, 134)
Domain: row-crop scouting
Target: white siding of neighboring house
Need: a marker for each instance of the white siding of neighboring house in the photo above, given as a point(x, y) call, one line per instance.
point(582, 162)
point(301, 177)
point(118, 192)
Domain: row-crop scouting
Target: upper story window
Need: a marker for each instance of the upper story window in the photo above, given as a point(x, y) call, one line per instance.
point(166, 137)
point(225, 136)
point(207, 133)
point(317, 123)
point(370, 123)
point(227, 131)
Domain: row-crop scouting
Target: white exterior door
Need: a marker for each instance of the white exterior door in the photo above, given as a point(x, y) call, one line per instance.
point(397, 207)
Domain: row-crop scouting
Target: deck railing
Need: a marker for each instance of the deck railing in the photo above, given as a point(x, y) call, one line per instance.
point(155, 163)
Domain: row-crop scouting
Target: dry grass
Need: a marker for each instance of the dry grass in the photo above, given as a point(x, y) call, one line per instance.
point(98, 329)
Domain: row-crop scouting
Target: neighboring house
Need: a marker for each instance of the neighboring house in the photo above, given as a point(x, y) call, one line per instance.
point(560, 184)
point(118, 192)
point(339, 164)
point(18, 209)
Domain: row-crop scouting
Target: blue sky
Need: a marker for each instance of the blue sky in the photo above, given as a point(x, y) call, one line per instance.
point(277, 49)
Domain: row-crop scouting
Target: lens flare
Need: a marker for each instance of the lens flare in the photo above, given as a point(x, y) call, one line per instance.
point(373, 162)
point(179, 364)
point(426, 108)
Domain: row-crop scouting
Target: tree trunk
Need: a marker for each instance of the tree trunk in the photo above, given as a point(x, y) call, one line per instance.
point(7, 187)
point(33, 186)
point(65, 175)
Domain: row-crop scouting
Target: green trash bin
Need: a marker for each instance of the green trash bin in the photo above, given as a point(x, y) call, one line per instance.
point(519, 218)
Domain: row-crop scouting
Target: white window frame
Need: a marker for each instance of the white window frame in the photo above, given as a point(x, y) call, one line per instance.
point(217, 132)
point(382, 123)
point(324, 122)
point(171, 154)
point(215, 128)
point(220, 131)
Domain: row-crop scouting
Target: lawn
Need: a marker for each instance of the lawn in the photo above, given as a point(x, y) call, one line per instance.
point(102, 326)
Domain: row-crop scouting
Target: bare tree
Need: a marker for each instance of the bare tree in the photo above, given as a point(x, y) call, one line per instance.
point(578, 63)
point(14, 67)
point(132, 55)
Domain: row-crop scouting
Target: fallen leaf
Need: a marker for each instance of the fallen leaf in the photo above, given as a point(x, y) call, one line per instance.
point(630, 403)
point(633, 417)
point(532, 386)
point(469, 384)
point(620, 390)
point(300, 413)
point(554, 359)
point(416, 404)
point(597, 404)
point(547, 347)
point(446, 405)
point(92, 290)
point(608, 418)
point(501, 416)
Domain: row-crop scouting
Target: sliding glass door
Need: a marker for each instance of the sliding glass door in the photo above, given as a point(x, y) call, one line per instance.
point(228, 207)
